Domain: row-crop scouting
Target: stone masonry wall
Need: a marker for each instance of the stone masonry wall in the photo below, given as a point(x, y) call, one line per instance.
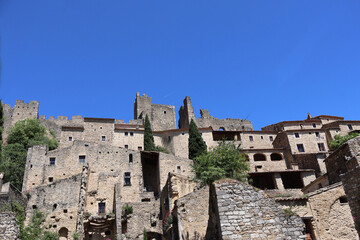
point(9, 230)
point(246, 213)
point(351, 182)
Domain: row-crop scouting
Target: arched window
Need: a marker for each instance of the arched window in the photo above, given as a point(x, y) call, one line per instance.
point(259, 157)
point(275, 157)
point(63, 233)
point(221, 129)
point(130, 158)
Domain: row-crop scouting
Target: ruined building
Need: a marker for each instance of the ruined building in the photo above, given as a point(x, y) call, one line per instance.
point(101, 184)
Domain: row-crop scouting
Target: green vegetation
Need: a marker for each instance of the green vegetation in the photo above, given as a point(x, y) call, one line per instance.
point(1, 123)
point(149, 144)
point(34, 230)
point(197, 145)
point(224, 161)
point(145, 235)
point(127, 209)
point(22, 136)
point(288, 211)
point(340, 140)
point(76, 236)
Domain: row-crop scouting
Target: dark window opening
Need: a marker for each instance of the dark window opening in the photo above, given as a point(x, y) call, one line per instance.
point(178, 168)
point(139, 148)
point(131, 134)
point(124, 227)
point(317, 134)
point(54, 206)
point(343, 199)
point(82, 158)
point(127, 179)
point(320, 185)
point(321, 147)
point(296, 135)
point(292, 180)
point(263, 181)
point(65, 210)
point(51, 179)
point(107, 233)
point(300, 147)
point(275, 157)
point(101, 208)
point(126, 133)
point(145, 200)
point(259, 157)
point(309, 230)
point(130, 158)
point(52, 161)
point(164, 112)
point(262, 137)
point(34, 207)
point(251, 138)
point(63, 233)
point(169, 138)
point(271, 138)
point(350, 127)
point(103, 138)
point(126, 146)
point(314, 125)
point(70, 139)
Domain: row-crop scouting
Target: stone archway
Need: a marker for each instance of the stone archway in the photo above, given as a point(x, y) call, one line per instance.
point(63, 233)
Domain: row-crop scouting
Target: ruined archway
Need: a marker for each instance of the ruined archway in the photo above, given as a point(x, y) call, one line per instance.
point(63, 233)
point(275, 157)
point(259, 157)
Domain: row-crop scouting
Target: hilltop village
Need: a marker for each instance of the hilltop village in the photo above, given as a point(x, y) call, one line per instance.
point(298, 188)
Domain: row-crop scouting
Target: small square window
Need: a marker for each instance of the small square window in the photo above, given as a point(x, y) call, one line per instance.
point(126, 146)
point(317, 134)
point(296, 135)
point(131, 134)
point(127, 179)
point(82, 158)
point(126, 133)
point(51, 179)
point(300, 147)
point(314, 125)
point(140, 148)
point(103, 138)
point(251, 138)
point(52, 161)
point(350, 127)
point(271, 138)
point(70, 139)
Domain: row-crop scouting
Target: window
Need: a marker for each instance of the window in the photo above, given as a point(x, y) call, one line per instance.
point(126, 146)
point(314, 125)
point(130, 158)
point(131, 134)
point(301, 126)
point(297, 135)
point(140, 148)
point(300, 147)
point(321, 147)
point(52, 161)
point(262, 137)
point(70, 139)
point(82, 158)
point(51, 179)
point(103, 138)
point(271, 138)
point(251, 138)
point(259, 157)
point(126, 133)
point(178, 168)
point(127, 179)
point(317, 134)
point(101, 208)
point(350, 127)
point(164, 112)
point(275, 157)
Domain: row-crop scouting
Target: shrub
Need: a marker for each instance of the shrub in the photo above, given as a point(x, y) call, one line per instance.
point(127, 209)
point(340, 140)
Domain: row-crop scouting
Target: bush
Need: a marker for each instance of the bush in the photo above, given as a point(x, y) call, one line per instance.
point(340, 140)
point(224, 161)
point(127, 209)
point(161, 149)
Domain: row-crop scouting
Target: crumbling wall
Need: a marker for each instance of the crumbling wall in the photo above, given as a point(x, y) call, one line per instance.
point(331, 213)
point(351, 182)
point(249, 214)
point(9, 230)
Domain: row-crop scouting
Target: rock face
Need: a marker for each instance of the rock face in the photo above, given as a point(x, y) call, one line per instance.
point(246, 213)
point(9, 230)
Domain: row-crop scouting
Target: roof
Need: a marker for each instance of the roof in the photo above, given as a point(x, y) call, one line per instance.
point(182, 130)
point(103, 120)
point(328, 116)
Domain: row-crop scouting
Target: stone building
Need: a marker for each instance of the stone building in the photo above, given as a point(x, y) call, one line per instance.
point(99, 170)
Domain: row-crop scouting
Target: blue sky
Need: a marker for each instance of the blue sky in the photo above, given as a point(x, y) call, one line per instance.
point(266, 61)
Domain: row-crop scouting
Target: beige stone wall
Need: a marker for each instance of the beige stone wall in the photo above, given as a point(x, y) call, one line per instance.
point(95, 130)
point(134, 139)
point(302, 125)
point(309, 140)
point(268, 165)
point(260, 140)
point(333, 219)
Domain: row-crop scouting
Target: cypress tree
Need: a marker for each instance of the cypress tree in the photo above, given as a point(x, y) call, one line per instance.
point(197, 145)
point(149, 144)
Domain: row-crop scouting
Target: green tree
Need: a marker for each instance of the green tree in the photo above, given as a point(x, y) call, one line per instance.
point(223, 161)
point(22, 136)
point(197, 145)
point(35, 230)
point(338, 140)
point(149, 144)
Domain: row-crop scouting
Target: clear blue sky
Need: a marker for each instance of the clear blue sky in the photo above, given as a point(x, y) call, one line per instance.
point(266, 61)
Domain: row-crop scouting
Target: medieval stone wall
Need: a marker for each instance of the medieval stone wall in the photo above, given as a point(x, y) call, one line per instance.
point(9, 230)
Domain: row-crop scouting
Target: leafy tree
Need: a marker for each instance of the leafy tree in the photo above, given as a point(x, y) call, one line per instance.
point(340, 140)
point(197, 145)
point(223, 161)
point(35, 230)
point(22, 136)
point(149, 144)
